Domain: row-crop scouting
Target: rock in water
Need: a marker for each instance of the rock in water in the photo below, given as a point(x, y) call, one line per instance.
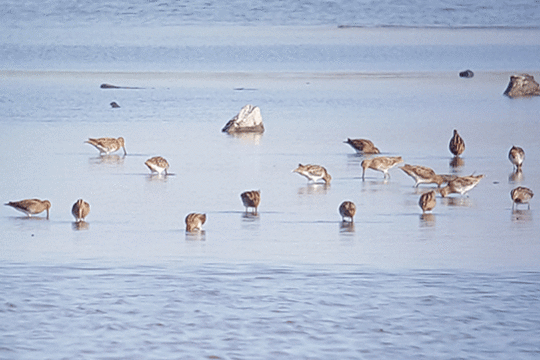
point(466, 74)
point(248, 120)
point(522, 85)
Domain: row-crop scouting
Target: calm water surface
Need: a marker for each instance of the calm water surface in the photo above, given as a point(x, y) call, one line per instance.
point(461, 283)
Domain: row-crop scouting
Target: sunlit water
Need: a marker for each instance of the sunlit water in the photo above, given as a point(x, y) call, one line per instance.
point(292, 282)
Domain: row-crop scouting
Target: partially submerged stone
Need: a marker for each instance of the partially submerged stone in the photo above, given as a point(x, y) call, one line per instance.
point(249, 119)
point(466, 74)
point(522, 85)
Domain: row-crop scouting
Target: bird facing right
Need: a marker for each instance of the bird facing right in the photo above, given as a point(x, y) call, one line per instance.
point(457, 145)
point(516, 157)
point(31, 206)
point(347, 209)
point(381, 163)
point(80, 210)
point(521, 195)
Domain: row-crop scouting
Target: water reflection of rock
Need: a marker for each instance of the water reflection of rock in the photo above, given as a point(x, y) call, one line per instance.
point(108, 159)
point(456, 163)
point(516, 176)
point(427, 220)
point(80, 225)
point(314, 189)
point(521, 216)
point(248, 138)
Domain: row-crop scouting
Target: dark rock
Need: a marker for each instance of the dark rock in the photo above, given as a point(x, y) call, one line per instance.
point(466, 74)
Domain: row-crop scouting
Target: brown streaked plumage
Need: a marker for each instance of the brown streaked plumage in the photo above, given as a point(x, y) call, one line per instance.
point(381, 163)
point(427, 201)
point(461, 185)
point(251, 199)
point(31, 206)
point(362, 146)
point(107, 145)
point(457, 145)
point(516, 156)
point(521, 195)
point(195, 222)
point(80, 210)
point(425, 175)
point(157, 164)
point(313, 173)
point(347, 209)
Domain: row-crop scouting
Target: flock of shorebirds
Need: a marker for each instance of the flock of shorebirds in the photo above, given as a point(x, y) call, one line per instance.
point(316, 173)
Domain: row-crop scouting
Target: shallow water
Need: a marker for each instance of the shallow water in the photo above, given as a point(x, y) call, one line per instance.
point(292, 282)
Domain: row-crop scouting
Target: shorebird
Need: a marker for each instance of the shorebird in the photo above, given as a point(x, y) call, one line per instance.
point(427, 201)
point(80, 210)
point(313, 173)
point(31, 206)
point(107, 145)
point(251, 199)
point(425, 175)
point(457, 145)
point(381, 163)
point(195, 222)
point(114, 105)
point(521, 195)
point(157, 164)
point(347, 209)
point(461, 185)
point(362, 146)
point(516, 156)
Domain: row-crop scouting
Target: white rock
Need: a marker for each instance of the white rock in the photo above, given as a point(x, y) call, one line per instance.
point(249, 119)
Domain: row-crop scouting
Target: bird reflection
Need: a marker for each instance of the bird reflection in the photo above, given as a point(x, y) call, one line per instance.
point(521, 216)
point(80, 225)
point(457, 201)
point(346, 227)
point(196, 236)
point(427, 220)
point(248, 137)
point(314, 188)
point(456, 163)
point(516, 176)
point(157, 177)
point(108, 159)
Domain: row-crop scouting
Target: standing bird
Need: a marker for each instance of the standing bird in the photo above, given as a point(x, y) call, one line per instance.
point(521, 195)
point(457, 145)
point(461, 185)
point(516, 156)
point(251, 199)
point(347, 209)
point(195, 221)
point(381, 163)
point(362, 146)
point(107, 145)
point(80, 210)
point(157, 164)
point(427, 201)
point(313, 173)
point(425, 175)
point(31, 206)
